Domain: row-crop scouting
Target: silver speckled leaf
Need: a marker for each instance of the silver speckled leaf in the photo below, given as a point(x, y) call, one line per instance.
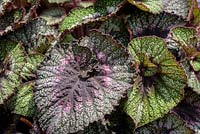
point(177, 7)
point(169, 124)
point(143, 23)
point(101, 10)
point(189, 110)
point(53, 15)
point(9, 79)
point(116, 27)
point(80, 83)
point(34, 35)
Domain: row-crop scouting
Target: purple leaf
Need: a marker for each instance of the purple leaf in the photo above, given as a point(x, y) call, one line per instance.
point(80, 83)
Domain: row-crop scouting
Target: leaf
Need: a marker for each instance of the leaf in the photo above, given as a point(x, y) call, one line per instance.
point(169, 124)
point(16, 18)
point(58, 1)
point(9, 79)
point(95, 128)
point(3, 5)
point(187, 40)
point(5, 47)
point(100, 11)
point(196, 14)
point(188, 110)
point(153, 6)
point(177, 7)
point(80, 83)
point(115, 27)
point(34, 35)
point(53, 15)
point(22, 103)
point(142, 23)
point(153, 95)
point(10, 20)
point(19, 63)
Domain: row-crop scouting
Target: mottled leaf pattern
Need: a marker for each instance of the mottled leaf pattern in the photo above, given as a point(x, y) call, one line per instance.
point(115, 27)
point(159, 81)
point(177, 7)
point(22, 103)
point(153, 6)
point(53, 15)
point(101, 10)
point(186, 39)
point(169, 124)
point(189, 109)
point(10, 76)
point(80, 83)
point(33, 35)
point(142, 23)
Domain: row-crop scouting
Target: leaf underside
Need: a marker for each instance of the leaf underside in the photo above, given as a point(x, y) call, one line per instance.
point(80, 83)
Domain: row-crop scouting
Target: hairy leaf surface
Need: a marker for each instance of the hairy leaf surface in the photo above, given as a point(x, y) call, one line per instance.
point(101, 10)
point(169, 124)
point(159, 81)
point(80, 83)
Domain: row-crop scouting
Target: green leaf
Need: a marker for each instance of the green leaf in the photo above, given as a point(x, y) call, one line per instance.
point(53, 15)
point(10, 75)
point(153, 6)
point(169, 124)
point(116, 27)
point(22, 60)
point(187, 40)
point(22, 103)
point(153, 95)
point(196, 13)
point(101, 10)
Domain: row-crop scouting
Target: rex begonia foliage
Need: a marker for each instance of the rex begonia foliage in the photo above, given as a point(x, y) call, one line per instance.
point(99, 66)
point(80, 83)
point(158, 83)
